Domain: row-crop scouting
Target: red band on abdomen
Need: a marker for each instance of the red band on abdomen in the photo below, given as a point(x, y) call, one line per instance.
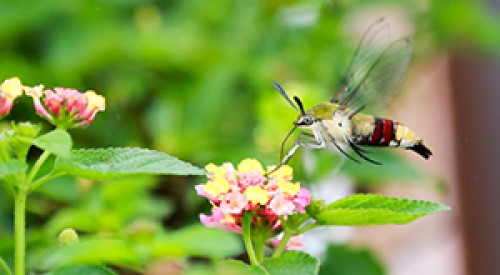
point(376, 135)
point(388, 131)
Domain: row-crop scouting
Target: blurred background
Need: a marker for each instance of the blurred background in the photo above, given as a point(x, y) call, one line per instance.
point(193, 78)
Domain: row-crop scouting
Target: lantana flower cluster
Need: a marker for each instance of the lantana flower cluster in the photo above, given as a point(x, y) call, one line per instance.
point(66, 107)
point(232, 192)
point(63, 107)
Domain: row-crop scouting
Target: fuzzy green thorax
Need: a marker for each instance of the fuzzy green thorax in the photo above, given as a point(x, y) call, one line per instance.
point(323, 110)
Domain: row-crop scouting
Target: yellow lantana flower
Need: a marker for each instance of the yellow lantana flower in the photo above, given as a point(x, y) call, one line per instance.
point(216, 171)
point(257, 195)
point(216, 187)
point(284, 173)
point(248, 165)
point(11, 88)
point(291, 189)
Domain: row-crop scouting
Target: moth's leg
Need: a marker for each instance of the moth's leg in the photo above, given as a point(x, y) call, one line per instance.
point(332, 141)
point(360, 151)
point(311, 143)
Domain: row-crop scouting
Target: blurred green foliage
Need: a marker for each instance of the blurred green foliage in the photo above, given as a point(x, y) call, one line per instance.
point(193, 78)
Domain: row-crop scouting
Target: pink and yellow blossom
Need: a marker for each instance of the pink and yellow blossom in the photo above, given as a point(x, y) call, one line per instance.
point(234, 192)
point(64, 107)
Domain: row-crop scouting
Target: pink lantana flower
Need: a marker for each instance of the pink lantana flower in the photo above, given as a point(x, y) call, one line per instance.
point(234, 192)
point(64, 107)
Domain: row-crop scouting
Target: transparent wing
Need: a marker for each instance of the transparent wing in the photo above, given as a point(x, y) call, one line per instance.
point(376, 70)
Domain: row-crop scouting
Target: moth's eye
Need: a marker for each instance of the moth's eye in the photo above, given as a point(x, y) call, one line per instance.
point(340, 124)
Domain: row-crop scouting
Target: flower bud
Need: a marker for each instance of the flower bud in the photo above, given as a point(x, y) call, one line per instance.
point(68, 237)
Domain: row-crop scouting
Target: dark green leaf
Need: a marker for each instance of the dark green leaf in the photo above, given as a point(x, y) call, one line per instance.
point(57, 142)
point(374, 209)
point(292, 262)
point(82, 270)
point(11, 167)
point(119, 162)
point(342, 260)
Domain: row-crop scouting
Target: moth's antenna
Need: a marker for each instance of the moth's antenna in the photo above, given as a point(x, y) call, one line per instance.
point(301, 106)
point(283, 93)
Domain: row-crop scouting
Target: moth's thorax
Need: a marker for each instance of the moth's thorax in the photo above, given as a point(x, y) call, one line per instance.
point(330, 122)
point(323, 110)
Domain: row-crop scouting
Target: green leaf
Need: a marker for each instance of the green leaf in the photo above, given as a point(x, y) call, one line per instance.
point(374, 209)
point(292, 262)
point(57, 142)
point(92, 251)
point(119, 162)
point(343, 260)
point(82, 270)
point(11, 167)
point(19, 138)
point(4, 267)
point(200, 241)
point(238, 267)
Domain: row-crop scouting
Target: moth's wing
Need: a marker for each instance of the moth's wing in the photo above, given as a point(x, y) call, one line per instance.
point(384, 78)
point(376, 70)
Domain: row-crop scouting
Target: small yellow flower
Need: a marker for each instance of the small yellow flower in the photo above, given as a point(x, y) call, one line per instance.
point(290, 189)
point(248, 165)
point(216, 171)
point(284, 173)
point(11, 88)
point(34, 92)
point(228, 219)
point(257, 195)
point(95, 101)
point(216, 187)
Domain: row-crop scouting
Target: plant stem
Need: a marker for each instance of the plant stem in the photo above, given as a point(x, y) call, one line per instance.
point(39, 162)
point(19, 229)
point(43, 180)
point(247, 238)
point(307, 228)
point(5, 267)
point(282, 245)
point(259, 248)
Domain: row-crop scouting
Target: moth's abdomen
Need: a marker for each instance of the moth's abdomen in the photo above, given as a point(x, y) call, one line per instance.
point(386, 132)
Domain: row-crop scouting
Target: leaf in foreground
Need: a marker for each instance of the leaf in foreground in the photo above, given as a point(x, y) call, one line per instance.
point(292, 262)
point(374, 209)
point(117, 162)
point(58, 142)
